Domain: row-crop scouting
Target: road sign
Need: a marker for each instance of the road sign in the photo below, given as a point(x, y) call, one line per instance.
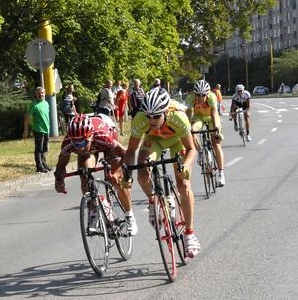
point(40, 53)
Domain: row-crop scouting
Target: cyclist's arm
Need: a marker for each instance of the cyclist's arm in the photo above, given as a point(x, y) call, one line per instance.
point(214, 117)
point(133, 144)
point(63, 161)
point(190, 149)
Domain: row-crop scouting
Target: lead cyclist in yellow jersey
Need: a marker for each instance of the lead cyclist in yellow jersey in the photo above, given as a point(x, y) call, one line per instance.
point(163, 125)
point(203, 110)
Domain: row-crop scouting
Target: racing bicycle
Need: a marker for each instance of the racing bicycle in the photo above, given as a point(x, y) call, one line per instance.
point(241, 123)
point(111, 226)
point(206, 160)
point(169, 218)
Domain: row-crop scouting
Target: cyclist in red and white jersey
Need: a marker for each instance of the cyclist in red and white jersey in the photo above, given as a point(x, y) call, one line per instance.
point(87, 137)
point(241, 98)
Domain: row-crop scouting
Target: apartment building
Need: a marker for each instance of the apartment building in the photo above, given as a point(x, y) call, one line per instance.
point(277, 29)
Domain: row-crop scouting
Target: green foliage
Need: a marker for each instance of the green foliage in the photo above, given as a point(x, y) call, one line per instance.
point(286, 67)
point(13, 105)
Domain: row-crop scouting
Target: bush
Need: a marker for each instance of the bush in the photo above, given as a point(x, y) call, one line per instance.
point(13, 106)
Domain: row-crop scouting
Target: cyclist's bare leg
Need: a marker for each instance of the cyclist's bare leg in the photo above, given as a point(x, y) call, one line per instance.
point(247, 121)
point(216, 143)
point(144, 175)
point(86, 161)
point(124, 194)
point(187, 198)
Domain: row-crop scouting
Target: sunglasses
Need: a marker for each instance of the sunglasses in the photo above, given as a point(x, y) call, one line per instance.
point(80, 143)
point(201, 95)
point(156, 117)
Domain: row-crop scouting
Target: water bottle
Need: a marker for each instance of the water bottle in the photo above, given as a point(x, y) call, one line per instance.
point(171, 202)
point(199, 161)
point(107, 207)
point(209, 157)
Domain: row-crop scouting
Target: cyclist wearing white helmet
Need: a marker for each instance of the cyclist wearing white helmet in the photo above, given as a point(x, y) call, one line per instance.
point(241, 98)
point(203, 110)
point(163, 124)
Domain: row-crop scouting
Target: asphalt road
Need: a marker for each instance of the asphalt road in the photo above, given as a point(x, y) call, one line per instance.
point(248, 229)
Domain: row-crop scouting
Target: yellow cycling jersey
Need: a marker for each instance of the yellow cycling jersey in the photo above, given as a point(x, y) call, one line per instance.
point(203, 109)
point(175, 125)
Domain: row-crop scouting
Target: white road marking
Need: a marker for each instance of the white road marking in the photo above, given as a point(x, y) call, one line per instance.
point(234, 161)
point(263, 111)
point(262, 141)
point(281, 109)
point(279, 121)
point(273, 129)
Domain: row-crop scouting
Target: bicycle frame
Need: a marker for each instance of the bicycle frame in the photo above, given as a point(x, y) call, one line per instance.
point(207, 160)
point(241, 124)
point(97, 243)
point(168, 230)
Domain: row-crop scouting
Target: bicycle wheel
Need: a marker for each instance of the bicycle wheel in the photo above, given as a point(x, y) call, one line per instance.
point(96, 244)
point(120, 230)
point(206, 174)
point(214, 172)
point(164, 237)
point(179, 226)
point(241, 129)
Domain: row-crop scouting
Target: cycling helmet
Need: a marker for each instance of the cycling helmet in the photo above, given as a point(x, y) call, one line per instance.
point(156, 101)
point(201, 87)
point(80, 127)
point(239, 88)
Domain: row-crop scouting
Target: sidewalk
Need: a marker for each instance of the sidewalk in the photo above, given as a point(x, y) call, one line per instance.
point(14, 185)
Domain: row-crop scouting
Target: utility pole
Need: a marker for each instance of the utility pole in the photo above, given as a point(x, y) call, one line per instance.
point(45, 32)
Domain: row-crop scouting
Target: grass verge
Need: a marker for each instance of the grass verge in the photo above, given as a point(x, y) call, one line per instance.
point(17, 156)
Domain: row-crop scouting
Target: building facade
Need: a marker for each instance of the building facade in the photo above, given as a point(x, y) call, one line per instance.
point(276, 31)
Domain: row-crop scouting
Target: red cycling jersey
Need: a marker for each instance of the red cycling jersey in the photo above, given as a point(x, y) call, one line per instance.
point(105, 137)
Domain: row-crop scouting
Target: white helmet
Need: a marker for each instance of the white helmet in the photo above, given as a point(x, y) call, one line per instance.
point(156, 101)
point(201, 87)
point(239, 88)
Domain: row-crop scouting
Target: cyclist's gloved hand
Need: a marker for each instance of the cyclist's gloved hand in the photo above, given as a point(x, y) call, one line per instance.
point(60, 186)
point(185, 172)
point(59, 183)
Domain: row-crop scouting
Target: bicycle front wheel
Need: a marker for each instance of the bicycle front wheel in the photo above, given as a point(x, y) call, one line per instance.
point(123, 239)
point(95, 242)
point(206, 173)
point(164, 237)
point(242, 132)
point(178, 224)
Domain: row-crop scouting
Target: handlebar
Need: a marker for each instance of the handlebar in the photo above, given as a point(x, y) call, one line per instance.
point(202, 131)
point(152, 163)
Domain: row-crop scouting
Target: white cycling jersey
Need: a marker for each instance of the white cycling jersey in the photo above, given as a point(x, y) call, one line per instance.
point(242, 98)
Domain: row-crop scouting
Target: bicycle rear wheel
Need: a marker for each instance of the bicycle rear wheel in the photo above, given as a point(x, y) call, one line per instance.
point(178, 225)
point(206, 173)
point(96, 243)
point(241, 130)
point(164, 237)
point(123, 239)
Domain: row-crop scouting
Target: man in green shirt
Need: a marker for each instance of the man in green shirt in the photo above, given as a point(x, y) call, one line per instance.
point(40, 121)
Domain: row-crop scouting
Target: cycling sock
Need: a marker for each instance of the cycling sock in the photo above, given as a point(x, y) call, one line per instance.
point(189, 231)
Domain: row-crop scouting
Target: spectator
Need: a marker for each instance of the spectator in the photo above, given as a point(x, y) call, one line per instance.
point(105, 100)
point(40, 119)
point(218, 94)
point(121, 103)
point(135, 98)
point(67, 106)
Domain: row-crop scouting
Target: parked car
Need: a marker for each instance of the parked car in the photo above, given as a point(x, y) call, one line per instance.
point(295, 89)
point(260, 90)
point(284, 89)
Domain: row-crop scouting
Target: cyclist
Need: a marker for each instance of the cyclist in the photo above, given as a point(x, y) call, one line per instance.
point(87, 137)
point(203, 110)
point(161, 127)
point(241, 98)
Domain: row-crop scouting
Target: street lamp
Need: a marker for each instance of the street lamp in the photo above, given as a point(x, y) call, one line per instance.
point(271, 63)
